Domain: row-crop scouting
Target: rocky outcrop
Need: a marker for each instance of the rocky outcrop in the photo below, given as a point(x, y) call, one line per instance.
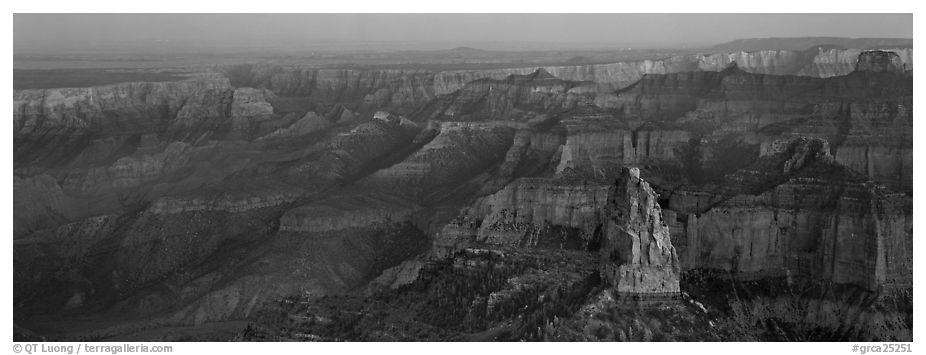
point(398, 276)
point(623, 220)
point(880, 61)
point(344, 212)
point(529, 213)
point(637, 255)
point(834, 62)
point(255, 197)
point(249, 106)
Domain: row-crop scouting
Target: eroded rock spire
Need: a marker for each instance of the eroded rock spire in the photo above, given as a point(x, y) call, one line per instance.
point(637, 255)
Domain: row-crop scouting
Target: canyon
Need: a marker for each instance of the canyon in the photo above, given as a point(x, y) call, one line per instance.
point(525, 203)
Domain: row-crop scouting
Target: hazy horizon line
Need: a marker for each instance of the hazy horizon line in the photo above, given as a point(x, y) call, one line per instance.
point(686, 30)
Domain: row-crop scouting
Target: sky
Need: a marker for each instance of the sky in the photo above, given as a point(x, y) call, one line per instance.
point(631, 30)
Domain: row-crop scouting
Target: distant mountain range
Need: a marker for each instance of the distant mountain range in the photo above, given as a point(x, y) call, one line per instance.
point(801, 43)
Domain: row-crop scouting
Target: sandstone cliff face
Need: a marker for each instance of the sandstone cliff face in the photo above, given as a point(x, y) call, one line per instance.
point(512, 98)
point(528, 213)
point(129, 106)
point(879, 142)
point(823, 63)
point(872, 136)
point(151, 102)
point(599, 150)
point(611, 76)
point(809, 218)
point(623, 220)
point(856, 113)
point(390, 89)
point(834, 62)
point(397, 88)
point(637, 255)
point(774, 62)
point(817, 62)
point(250, 106)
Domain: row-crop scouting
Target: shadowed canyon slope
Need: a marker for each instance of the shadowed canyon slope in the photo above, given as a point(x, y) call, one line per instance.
point(449, 200)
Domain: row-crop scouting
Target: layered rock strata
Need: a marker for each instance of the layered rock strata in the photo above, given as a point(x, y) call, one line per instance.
point(343, 212)
point(637, 255)
point(797, 213)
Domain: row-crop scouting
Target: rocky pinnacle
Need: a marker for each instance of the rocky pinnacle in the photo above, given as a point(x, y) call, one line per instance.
point(637, 256)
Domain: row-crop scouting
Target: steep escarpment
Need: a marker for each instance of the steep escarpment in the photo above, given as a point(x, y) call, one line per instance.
point(529, 213)
point(393, 90)
point(227, 198)
point(610, 76)
point(458, 152)
point(834, 62)
point(120, 106)
point(883, 61)
point(322, 152)
point(819, 61)
point(399, 89)
point(798, 213)
point(598, 145)
point(623, 220)
point(515, 98)
point(850, 111)
point(871, 136)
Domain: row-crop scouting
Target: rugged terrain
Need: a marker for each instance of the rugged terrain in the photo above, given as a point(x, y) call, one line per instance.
point(695, 197)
